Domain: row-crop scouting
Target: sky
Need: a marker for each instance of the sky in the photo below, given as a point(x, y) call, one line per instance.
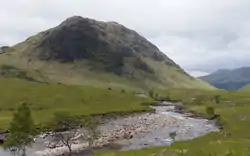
point(201, 36)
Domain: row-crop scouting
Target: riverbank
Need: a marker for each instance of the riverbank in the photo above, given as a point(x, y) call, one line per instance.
point(142, 130)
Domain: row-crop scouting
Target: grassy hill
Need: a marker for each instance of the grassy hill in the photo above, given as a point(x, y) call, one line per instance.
point(82, 51)
point(229, 79)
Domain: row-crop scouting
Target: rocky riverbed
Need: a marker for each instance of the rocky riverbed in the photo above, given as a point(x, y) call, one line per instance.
point(136, 131)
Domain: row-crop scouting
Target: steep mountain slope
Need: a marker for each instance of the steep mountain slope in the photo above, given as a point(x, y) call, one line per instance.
point(85, 51)
point(229, 79)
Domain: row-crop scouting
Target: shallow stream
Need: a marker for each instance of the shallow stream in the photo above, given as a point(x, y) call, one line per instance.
point(186, 128)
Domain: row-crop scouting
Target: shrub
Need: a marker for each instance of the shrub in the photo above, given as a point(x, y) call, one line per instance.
point(172, 135)
point(220, 122)
point(63, 121)
point(210, 111)
point(151, 93)
point(217, 99)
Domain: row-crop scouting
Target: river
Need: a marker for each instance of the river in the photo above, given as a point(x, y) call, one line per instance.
point(148, 129)
point(4, 153)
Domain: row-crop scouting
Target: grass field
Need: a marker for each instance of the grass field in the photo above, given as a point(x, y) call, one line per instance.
point(45, 99)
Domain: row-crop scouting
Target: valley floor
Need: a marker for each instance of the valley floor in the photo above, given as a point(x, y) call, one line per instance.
point(45, 99)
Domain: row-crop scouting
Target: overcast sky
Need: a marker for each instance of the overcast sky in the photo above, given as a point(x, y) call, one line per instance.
point(200, 35)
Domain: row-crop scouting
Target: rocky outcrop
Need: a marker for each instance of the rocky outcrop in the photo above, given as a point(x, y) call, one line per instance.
point(3, 49)
point(82, 38)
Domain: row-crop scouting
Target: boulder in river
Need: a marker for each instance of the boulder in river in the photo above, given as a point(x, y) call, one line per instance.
point(128, 135)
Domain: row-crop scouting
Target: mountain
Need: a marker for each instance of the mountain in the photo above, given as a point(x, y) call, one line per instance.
point(229, 79)
point(85, 51)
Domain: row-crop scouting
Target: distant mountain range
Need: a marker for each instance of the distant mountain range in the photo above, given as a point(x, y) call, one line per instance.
point(229, 79)
point(85, 51)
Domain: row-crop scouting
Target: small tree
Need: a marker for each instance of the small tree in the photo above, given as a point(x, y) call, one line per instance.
point(21, 131)
point(217, 99)
point(151, 94)
point(156, 95)
point(172, 135)
point(210, 111)
point(91, 126)
point(62, 121)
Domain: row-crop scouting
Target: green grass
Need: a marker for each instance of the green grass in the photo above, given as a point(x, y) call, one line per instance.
point(234, 108)
point(173, 77)
point(45, 99)
point(246, 88)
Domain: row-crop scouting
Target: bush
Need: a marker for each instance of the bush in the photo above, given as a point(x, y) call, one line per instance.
point(172, 135)
point(151, 93)
point(63, 121)
point(217, 99)
point(156, 95)
point(220, 122)
point(210, 111)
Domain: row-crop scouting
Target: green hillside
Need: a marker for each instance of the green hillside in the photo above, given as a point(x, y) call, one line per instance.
point(83, 51)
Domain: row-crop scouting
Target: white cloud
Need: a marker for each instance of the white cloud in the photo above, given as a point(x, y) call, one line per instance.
point(200, 35)
point(195, 73)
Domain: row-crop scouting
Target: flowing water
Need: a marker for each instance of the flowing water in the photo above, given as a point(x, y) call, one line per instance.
point(186, 128)
point(4, 153)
